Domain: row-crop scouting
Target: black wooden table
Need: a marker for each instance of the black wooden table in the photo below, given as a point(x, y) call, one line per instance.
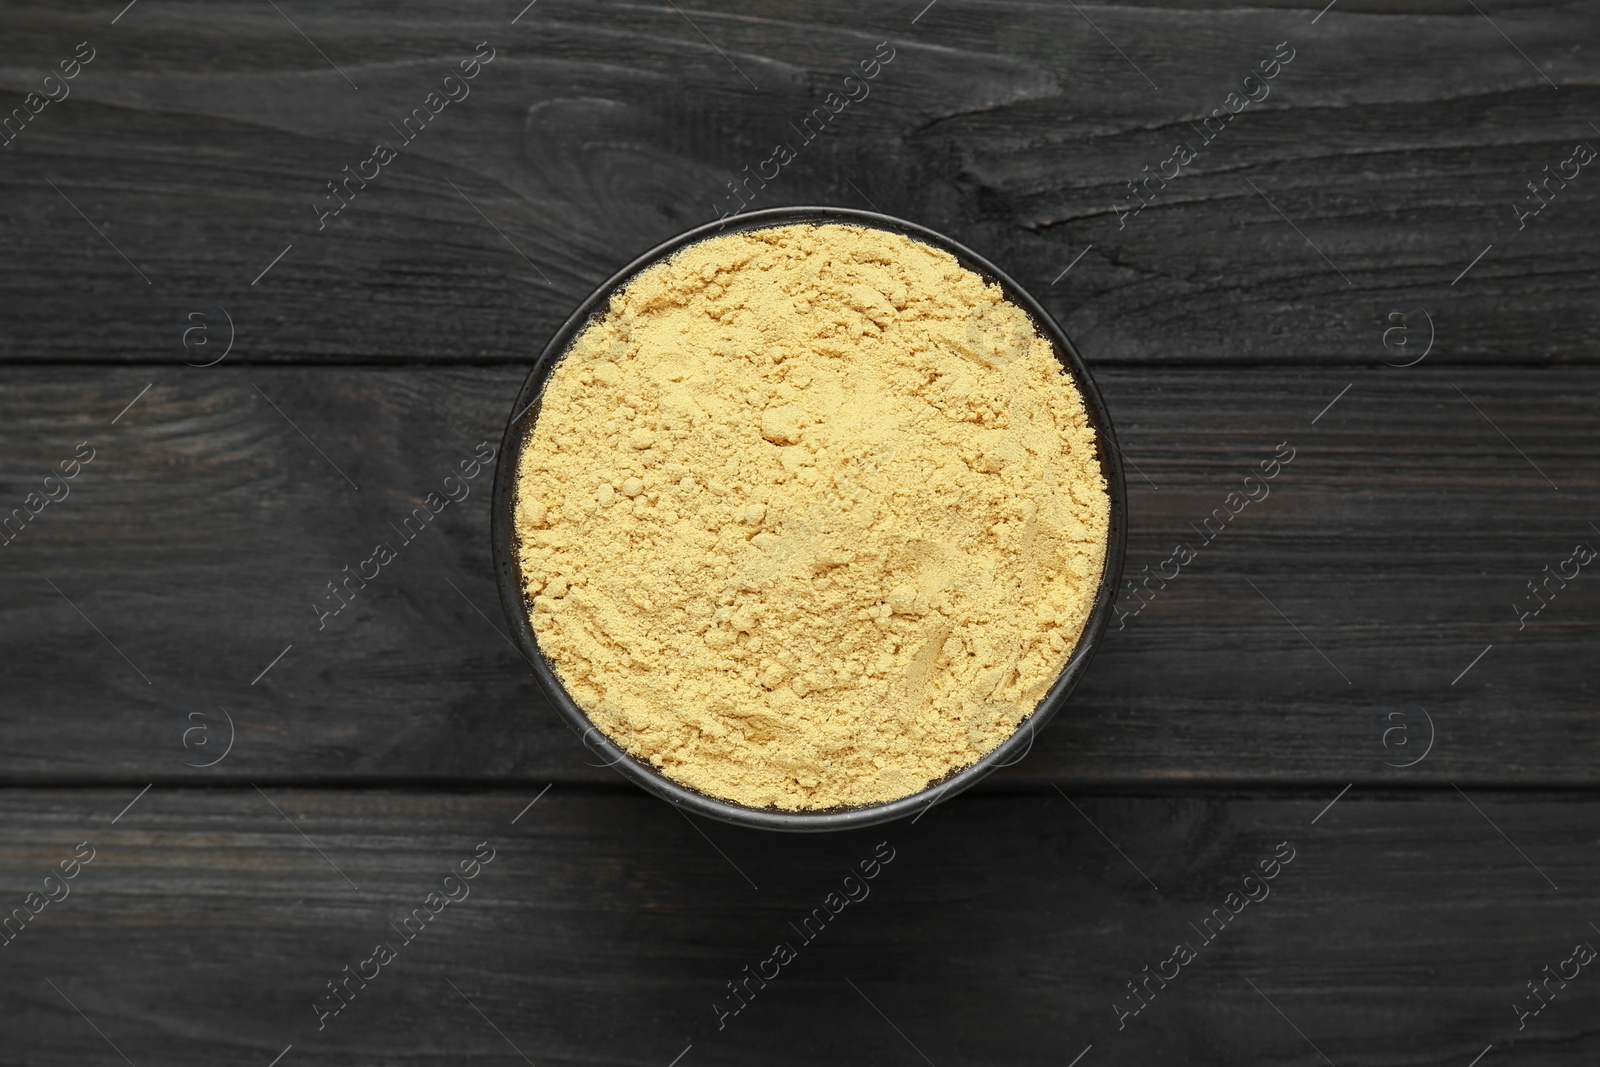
point(1327, 794)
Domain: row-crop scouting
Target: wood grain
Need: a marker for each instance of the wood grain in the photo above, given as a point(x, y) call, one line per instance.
point(1342, 668)
point(604, 929)
point(214, 513)
point(1394, 143)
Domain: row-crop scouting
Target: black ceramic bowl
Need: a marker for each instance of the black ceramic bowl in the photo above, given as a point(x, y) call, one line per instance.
point(513, 599)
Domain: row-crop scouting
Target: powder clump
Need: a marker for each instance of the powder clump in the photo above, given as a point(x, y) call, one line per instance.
point(811, 517)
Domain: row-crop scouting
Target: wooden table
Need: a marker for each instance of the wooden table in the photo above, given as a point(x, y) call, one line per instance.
point(248, 389)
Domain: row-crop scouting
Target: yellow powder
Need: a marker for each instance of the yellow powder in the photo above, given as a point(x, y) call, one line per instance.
point(811, 518)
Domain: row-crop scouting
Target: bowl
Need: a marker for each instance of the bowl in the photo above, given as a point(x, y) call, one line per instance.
point(513, 598)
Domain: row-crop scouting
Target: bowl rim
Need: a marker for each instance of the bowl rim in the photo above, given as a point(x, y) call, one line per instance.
point(509, 579)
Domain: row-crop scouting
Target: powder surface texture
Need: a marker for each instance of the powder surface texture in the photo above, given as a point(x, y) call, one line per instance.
point(811, 517)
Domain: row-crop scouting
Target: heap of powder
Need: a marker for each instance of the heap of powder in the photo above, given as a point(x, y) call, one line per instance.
point(811, 517)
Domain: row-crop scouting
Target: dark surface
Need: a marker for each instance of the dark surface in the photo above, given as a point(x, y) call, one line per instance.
point(605, 928)
point(1322, 641)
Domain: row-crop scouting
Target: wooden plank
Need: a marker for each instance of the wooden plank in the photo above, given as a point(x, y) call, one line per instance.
point(199, 139)
point(191, 550)
point(1003, 930)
